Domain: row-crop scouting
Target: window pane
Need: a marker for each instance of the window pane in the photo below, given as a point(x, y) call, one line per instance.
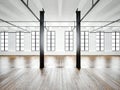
point(37, 45)
point(22, 48)
point(66, 48)
point(37, 33)
point(6, 48)
point(33, 33)
point(71, 49)
point(82, 48)
point(2, 48)
point(19, 40)
point(66, 33)
point(82, 33)
point(117, 48)
point(102, 48)
point(97, 48)
point(33, 48)
point(53, 49)
point(37, 37)
point(117, 33)
point(37, 48)
point(2, 37)
point(17, 48)
point(48, 48)
point(48, 33)
point(69, 40)
point(86, 48)
point(113, 48)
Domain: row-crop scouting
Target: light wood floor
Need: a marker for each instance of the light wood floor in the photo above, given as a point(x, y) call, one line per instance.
point(23, 73)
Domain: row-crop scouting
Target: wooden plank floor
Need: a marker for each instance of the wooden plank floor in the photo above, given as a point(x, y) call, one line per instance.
point(23, 73)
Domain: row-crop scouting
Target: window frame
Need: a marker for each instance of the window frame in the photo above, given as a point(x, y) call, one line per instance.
point(84, 41)
point(115, 43)
point(50, 45)
point(19, 43)
point(35, 39)
point(69, 45)
point(5, 44)
point(99, 43)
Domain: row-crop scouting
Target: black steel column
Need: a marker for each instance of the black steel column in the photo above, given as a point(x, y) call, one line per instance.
point(42, 39)
point(78, 25)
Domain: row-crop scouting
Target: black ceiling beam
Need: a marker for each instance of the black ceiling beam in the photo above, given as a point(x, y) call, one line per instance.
point(30, 10)
point(13, 25)
point(106, 25)
point(90, 10)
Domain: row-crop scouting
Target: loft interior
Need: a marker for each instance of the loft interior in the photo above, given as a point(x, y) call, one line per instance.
point(45, 43)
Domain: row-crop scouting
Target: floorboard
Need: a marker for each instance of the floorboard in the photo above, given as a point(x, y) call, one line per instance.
point(23, 73)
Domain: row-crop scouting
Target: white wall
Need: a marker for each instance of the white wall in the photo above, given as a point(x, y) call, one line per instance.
point(59, 45)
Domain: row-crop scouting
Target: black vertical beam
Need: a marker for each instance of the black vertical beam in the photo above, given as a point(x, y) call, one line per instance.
point(42, 39)
point(78, 30)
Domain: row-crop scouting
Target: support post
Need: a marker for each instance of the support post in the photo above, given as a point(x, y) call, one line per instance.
point(42, 39)
point(78, 29)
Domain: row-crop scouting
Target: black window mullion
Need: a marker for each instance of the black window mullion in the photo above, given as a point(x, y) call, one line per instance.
point(19, 41)
point(115, 41)
point(47, 40)
point(69, 40)
point(50, 40)
point(4, 40)
point(84, 41)
point(100, 41)
point(35, 41)
point(119, 41)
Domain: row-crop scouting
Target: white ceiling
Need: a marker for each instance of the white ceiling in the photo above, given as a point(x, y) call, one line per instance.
point(14, 10)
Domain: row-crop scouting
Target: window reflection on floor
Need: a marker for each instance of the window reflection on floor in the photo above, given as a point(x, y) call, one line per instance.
point(59, 61)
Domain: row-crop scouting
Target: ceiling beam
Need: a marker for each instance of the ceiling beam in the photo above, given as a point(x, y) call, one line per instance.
point(30, 10)
point(13, 25)
point(106, 25)
point(90, 9)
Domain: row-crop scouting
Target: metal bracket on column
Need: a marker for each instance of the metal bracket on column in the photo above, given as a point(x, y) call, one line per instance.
point(42, 39)
point(78, 29)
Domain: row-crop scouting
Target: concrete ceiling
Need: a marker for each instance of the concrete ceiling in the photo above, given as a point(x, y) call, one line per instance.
point(14, 10)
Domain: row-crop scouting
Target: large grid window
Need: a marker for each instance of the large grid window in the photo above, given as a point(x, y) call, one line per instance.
point(35, 41)
point(69, 41)
point(19, 41)
point(50, 40)
point(100, 41)
point(4, 41)
point(84, 41)
point(115, 41)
